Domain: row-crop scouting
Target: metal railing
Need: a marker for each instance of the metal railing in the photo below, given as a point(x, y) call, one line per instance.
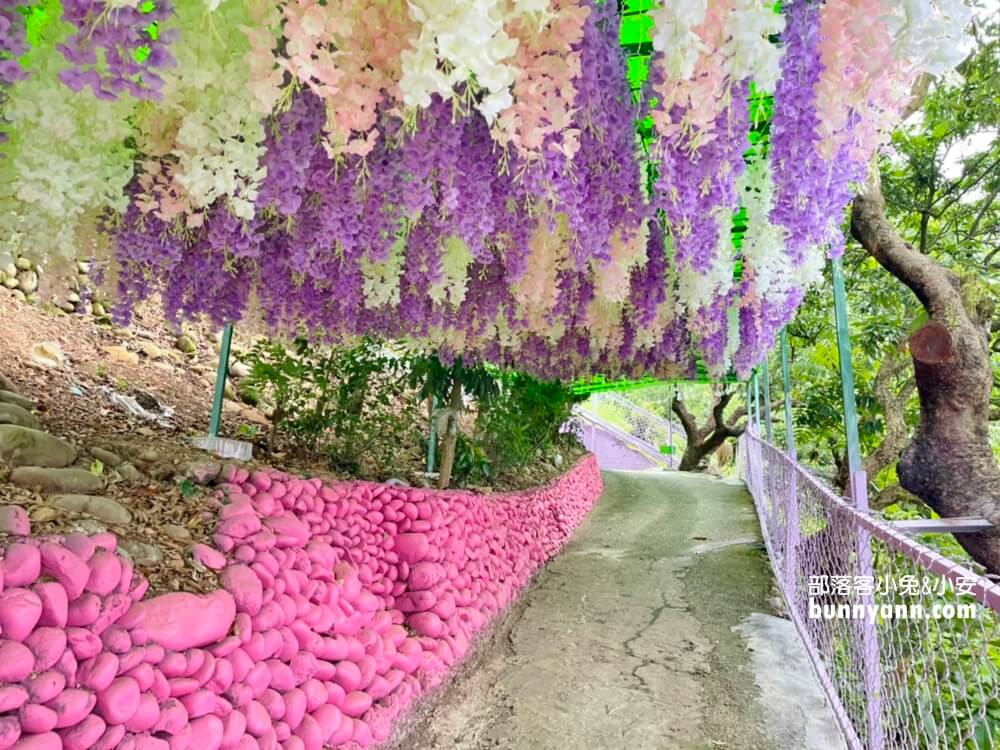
point(904, 641)
point(665, 437)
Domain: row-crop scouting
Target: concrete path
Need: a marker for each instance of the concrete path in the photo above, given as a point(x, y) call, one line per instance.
point(626, 640)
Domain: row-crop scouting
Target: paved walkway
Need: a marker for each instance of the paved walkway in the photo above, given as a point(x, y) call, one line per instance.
point(626, 640)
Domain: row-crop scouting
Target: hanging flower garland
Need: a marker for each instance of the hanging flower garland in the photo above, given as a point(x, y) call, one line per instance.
point(465, 176)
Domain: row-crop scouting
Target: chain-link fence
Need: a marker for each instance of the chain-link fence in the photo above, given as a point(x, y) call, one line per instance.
point(905, 642)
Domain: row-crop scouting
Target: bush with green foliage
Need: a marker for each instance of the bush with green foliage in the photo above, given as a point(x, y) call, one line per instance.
point(523, 421)
point(353, 405)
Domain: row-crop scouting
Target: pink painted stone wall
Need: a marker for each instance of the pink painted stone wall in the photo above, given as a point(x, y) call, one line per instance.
point(340, 605)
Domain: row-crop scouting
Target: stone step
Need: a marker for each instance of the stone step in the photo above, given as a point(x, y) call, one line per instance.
point(75, 481)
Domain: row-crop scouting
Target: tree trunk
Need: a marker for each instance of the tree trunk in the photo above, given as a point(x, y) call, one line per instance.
point(450, 438)
point(948, 463)
point(705, 440)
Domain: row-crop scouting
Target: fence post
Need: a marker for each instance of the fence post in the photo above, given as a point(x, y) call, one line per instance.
point(858, 485)
point(221, 373)
point(792, 506)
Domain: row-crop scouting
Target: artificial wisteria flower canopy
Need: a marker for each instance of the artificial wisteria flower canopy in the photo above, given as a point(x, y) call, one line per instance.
point(464, 175)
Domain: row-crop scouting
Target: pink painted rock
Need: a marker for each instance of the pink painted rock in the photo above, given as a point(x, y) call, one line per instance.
point(416, 601)
point(45, 686)
point(258, 719)
point(426, 624)
point(118, 702)
point(240, 526)
point(180, 621)
point(348, 676)
point(10, 731)
point(66, 567)
point(98, 672)
point(55, 603)
point(329, 719)
point(424, 576)
point(16, 661)
point(200, 703)
point(20, 610)
point(210, 558)
point(36, 719)
point(290, 531)
point(310, 733)
point(84, 610)
point(146, 716)
point(81, 544)
point(85, 734)
point(47, 741)
point(233, 728)
point(22, 564)
point(111, 737)
point(72, 706)
point(47, 645)
point(83, 643)
point(411, 548)
point(14, 520)
point(105, 573)
point(173, 717)
point(245, 587)
point(12, 697)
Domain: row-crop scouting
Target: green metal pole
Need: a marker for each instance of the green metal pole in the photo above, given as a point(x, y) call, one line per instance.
point(768, 423)
point(433, 439)
point(756, 402)
point(786, 382)
point(749, 398)
point(859, 487)
point(220, 381)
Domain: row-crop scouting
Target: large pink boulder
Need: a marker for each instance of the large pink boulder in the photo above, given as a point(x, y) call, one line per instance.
point(66, 567)
point(180, 621)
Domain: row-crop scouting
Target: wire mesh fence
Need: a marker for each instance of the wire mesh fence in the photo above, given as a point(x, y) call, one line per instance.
point(905, 642)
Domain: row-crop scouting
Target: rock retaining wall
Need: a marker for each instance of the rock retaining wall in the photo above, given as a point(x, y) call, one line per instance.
point(340, 605)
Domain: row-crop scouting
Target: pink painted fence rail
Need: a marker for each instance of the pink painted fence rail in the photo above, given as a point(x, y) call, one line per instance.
point(904, 641)
point(340, 605)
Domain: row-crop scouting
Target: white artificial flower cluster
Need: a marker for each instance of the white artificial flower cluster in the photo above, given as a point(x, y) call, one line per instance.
point(458, 43)
point(217, 134)
point(929, 34)
point(699, 289)
point(674, 35)
point(65, 163)
point(748, 49)
point(763, 249)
